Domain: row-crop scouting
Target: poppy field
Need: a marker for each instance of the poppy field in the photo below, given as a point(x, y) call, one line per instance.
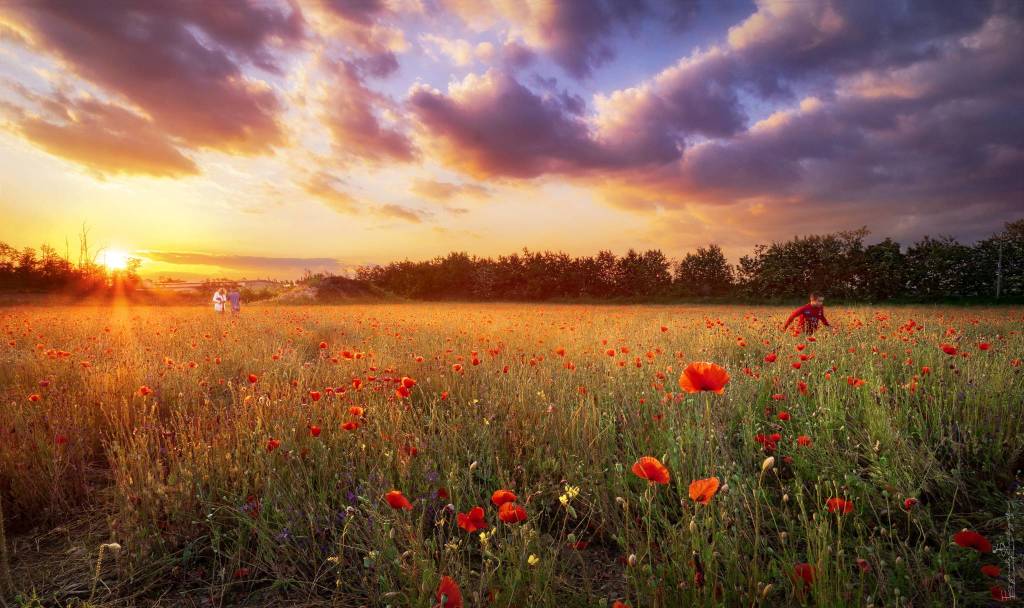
point(510, 455)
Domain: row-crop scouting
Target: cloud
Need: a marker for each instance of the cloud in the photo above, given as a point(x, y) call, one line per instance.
point(354, 119)
point(915, 106)
point(243, 262)
point(492, 125)
point(446, 191)
point(575, 35)
point(330, 191)
point(179, 63)
point(108, 140)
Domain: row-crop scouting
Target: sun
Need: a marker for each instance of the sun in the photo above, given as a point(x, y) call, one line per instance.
point(115, 259)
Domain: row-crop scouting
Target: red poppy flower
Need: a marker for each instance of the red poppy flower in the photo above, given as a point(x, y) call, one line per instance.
point(991, 570)
point(501, 497)
point(864, 565)
point(784, 416)
point(349, 426)
point(969, 539)
point(702, 376)
point(703, 490)
point(804, 441)
point(315, 395)
point(457, 368)
point(314, 430)
point(442, 493)
point(651, 469)
point(408, 382)
point(771, 357)
point(909, 504)
point(839, 505)
point(620, 604)
point(273, 444)
point(999, 594)
point(253, 378)
point(34, 397)
point(511, 513)
point(448, 594)
point(949, 349)
point(323, 346)
point(60, 439)
point(804, 572)
point(145, 390)
point(397, 500)
point(473, 520)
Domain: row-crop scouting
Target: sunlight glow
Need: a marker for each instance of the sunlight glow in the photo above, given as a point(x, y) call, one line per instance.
point(114, 259)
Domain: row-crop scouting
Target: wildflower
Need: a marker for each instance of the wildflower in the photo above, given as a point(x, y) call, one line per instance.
point(984, 346)
point(839, 505)
point(533, 560)
point(999, 594)
point(145, 390)
point(473, 520)
point(701, 376)
point(457, 368)
point(448, 594)
point(349, 425)
point(511, 513)
point(703, 490)
point(949, 349)
point(314, 430)
point(991, 570)
point(804, 441)
point(804, 572)
point(397, 500)
point(784, 416)
point(969, 539)
point(315, 395)
point(909, 504)
point(651, 469)
point(34, 397)
point(253, 378)
point(771, 358)
point(273, 444)
point(501, 497)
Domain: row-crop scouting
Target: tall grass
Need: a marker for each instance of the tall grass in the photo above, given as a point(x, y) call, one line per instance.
point(199, 503)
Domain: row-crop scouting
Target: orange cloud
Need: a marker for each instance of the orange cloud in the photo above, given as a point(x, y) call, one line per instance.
point(107, 139)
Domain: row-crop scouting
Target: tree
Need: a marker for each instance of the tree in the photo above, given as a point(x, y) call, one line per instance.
point(704, 273)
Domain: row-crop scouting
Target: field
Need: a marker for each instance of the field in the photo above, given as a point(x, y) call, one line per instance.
point(169, 456)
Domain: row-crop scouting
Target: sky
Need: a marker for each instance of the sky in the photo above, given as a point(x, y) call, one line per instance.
point(263, 138)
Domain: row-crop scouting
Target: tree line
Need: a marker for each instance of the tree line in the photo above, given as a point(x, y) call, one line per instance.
point(44, 269)
point(838, 264)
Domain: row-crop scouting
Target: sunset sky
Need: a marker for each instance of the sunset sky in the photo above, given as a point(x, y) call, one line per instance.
point(261, 138)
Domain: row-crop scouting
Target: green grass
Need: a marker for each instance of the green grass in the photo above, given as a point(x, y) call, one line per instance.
point(183, 481)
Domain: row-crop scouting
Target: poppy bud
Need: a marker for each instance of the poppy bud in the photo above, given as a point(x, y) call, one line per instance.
point(768, 464)
point(472, 466)
point(693, 526)
point(631, 560)
point(785, 498)
point(767, 589)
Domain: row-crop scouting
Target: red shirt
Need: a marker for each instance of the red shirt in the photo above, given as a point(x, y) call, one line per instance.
point(808, 315)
